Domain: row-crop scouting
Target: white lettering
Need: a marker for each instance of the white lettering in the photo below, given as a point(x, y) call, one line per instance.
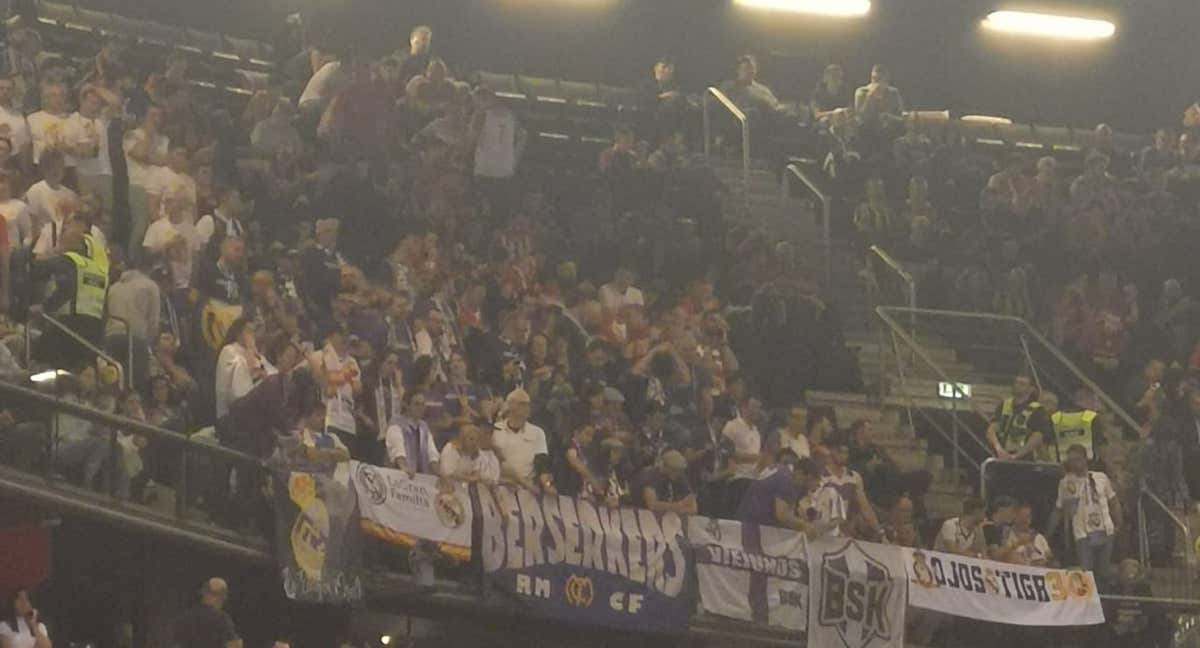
point(524, 584)
point(571, 531)
point(555, 553)
point(593, 536)
point(656, 547)
point(637, 564)
point(492, 536)
point(531, 515)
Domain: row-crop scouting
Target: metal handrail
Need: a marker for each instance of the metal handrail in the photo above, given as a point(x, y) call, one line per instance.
point(120, 422)
point(79, 339)
point(1012, 462)
point(1189, 554)
point(128, 347)
point(714, 93)
point(1033, 332)
point(895, 266)
point(826, 210)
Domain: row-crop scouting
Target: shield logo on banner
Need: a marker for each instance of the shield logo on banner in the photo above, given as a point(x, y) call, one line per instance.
point(373, 483)
point(856, 590)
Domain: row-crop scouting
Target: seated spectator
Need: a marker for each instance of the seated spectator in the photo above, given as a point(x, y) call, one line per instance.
point(1095, 187)
point(963, 535)
point(466, 458)
point(831, 94)
point(338, 373)
point(667, 490)
point(164, 362)
point(320, 447)
point(1159, 157)
point(794, 435)
point(1121, 162)
point(13, 125)
point(997, 529)
point(224, 221)
point(1026, 545)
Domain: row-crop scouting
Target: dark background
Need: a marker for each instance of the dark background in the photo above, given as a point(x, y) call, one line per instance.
point(1141, 78)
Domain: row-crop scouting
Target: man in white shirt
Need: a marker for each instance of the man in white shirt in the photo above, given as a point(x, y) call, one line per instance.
point(16, 215)
point(499, 141)
point(171, 178)
point(794, 435)
point(48, 126)
point(224, 221)
point(963, 535)
point(742, 432)
point(50, 203)
point(146, 147)
point(410, 443)
point(87, 146)
point(621, 292)
point(1026, 545)
point(1089, 501)
point(521, 446)
point(464, 460)
point(12, 120)
point(848, 483)
point(133, 301)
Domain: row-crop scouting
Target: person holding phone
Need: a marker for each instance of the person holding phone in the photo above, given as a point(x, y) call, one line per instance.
point(22, 628)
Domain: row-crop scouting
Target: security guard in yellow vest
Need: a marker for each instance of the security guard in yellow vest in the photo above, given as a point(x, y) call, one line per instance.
point(1021, 429)
point(1071, 428)
point(80, 277)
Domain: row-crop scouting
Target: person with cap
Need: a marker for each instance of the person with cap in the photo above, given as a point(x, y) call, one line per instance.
point(321, 266)
point(668, 489)
point(521, 446)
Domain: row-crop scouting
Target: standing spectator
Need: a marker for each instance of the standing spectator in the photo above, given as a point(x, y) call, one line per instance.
point(340, 378)
point(521, 446)
point(777, 499)
point(133, 302)
point(321, 267)
point(410, 444)
point(208, 625)
point(21, 628)
point(50, 204)
point(879, 106)
point(668, 489)
point(16, 214)
point(87, 147)
point(416, 60)
point(747, 457)
point(13, 125)
point(664, 101)
point(1087, 499)
point(748, 93)
point(48, 126)
point(145, 151)
point(224, 221)
point(499, 141)
point(239, 365)
point(963, 535)
point(466, 460)
point(225, 278)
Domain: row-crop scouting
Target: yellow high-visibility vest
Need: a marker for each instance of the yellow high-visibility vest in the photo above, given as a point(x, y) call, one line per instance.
point(1074, 428)
point(91, 281)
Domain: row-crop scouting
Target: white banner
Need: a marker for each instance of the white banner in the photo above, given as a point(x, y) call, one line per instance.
point(857, 593)
point(1001, 593)
point(402, 511)
point(750, 572)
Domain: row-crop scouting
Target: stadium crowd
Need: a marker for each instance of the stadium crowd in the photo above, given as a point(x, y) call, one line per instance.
point(364, 261)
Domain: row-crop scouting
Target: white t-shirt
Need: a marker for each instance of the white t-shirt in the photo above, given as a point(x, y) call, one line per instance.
point(322, 84)
point(21, 637)
point(20, 226)
point(164, 181)
point(496, 150)
point(159, 235)
point(517, 449)
point(18, 128)
point(746, 440)
point(821, 506)
point(797, 444)
point(207, 226)
point(1031, 554)
point(82, 130)
point(48, 203)
point(612, 299)
point(1085, 498)
point(953, 538)
point(140, 174)
point(454, 465)
point(47, 131)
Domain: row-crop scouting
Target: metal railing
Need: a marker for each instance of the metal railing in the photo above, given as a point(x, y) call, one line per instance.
point(1184, 579)
point(712, 93)
point(196, 473)
point(795, 170)
point(126, 370)
point(876, 256)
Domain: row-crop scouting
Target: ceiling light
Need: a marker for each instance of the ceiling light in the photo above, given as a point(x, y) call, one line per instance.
point(822, 7)
point(1049, 25)
point(385, 639)
point(48, 376)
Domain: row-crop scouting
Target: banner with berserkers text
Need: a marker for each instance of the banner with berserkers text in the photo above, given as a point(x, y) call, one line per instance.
point(858, 594)
point(1001, 593)
point(579, 562)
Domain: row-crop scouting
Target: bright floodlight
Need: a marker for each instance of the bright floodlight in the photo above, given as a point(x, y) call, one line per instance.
point(1049, 25)
point(385, 639)
point(823, 7)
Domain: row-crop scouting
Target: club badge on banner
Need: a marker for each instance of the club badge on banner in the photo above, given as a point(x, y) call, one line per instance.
point(572, 560)
point(857, 596)
point(403, 510)
point(751, 572)
point(316, 539)
point(1001, 593)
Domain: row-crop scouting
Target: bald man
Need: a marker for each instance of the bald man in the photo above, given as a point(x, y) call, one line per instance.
point(207, 625)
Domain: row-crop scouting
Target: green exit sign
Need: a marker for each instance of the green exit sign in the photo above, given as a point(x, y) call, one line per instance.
point(954, 390)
